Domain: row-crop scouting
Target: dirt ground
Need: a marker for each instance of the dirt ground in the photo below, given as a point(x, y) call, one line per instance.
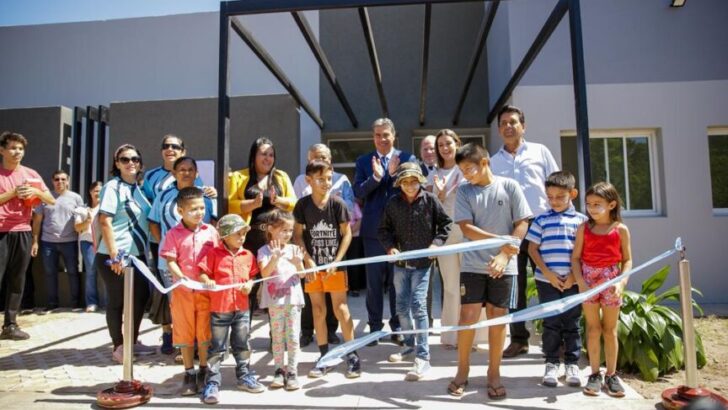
point(714, 375)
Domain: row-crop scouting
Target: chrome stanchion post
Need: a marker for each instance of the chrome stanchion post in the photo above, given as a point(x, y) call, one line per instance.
point(128, 328)
point(686, 304)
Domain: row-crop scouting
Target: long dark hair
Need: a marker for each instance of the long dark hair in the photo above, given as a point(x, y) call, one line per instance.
point(254, 148)
point(446, 133)
point(116, 172)
point(88, 191)
point(609, 193)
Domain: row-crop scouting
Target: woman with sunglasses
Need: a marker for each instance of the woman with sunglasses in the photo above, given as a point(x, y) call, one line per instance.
point(123, 226)
point(156, 181)
point(255, 190)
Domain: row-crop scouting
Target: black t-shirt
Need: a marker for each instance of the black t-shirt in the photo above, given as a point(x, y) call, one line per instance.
point(321, 232)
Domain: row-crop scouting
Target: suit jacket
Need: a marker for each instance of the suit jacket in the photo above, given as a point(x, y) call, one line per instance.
point(374, 193)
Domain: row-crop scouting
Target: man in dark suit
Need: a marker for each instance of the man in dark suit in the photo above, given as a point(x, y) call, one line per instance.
point(428, 155)
point(373, 184)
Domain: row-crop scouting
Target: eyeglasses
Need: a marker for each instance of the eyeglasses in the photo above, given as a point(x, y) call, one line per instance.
point(175, 147)
point(126, 160)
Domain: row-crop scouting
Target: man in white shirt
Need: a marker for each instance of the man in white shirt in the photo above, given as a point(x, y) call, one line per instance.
point(528, 163)
point(428, 156)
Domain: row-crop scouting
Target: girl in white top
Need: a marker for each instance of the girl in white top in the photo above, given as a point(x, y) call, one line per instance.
point(84, 217)
point(282, 295)
point(444, 182)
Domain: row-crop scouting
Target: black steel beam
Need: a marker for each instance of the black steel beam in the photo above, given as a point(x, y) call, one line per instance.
point(366, 26)
point(276, 6)
point(275, 69)
point(548, 28)
point(475, 57)
point(425, 61)
point(318, 52)
point(101, 146)
point(76, 144)
point(580, 106)
point(92, 116)
point(222, 166)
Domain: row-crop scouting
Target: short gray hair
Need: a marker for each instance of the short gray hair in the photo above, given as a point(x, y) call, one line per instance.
point(384, 122)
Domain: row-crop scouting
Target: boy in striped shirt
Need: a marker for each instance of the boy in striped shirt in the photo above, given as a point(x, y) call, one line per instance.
point(551, 238)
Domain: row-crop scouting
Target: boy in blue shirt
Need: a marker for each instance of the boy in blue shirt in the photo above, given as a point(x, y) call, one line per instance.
point(551, 236)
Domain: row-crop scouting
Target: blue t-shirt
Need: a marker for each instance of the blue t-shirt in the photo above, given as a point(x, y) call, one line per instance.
point(156, 181)
point(164, 212)
point(555, 233)
point(493, 208)
point(128, 207)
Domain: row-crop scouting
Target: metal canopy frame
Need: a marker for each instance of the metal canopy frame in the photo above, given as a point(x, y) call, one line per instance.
point(230, 9)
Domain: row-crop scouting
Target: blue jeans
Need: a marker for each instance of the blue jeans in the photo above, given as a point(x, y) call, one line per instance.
point(377, 276)
point(221, 325)
point(50, 252)
point(411, 286)
point(92, 294)
point(560, 328)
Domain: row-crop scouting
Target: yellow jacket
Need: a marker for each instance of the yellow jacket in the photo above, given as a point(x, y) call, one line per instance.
point(238, 180)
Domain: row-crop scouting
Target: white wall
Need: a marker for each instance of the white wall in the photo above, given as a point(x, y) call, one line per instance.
point(682, 111)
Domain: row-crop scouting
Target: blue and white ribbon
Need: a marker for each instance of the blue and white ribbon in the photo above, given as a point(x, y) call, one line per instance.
point(335, 355)
point(416, 254)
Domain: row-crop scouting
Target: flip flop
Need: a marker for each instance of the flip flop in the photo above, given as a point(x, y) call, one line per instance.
point(496, 392)
point(456, 389)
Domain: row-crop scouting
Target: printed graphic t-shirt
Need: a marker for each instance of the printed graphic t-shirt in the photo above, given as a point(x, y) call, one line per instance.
point(321, 232)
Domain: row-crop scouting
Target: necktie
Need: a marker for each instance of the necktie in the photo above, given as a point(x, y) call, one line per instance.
point(383, 161)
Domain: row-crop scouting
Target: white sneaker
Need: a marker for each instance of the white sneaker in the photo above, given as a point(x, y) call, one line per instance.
point(403, 354)
point(573, 375)
point(551, 375)
point(418, 370)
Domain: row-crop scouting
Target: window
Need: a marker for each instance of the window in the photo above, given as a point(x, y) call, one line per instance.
point(718, 153)
point(626, 159)
point(346, 149)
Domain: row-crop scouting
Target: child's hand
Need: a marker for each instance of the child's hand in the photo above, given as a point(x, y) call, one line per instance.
point(275, 249)
point(583, 287)
point(497, 265)
point(568, 282)
point(246, 287)
point(297, 258)
point(208, 283)
point(554, 280)
point(439, 184)
point(433, 246)
point(330, 272)
point(510, 249)
point(619, 288)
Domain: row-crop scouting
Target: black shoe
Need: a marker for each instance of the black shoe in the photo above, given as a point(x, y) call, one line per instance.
point(333, 339)
point(305, 341)
point(201, 378)
point(593, 385)
point(13, 332)
point(353, 366)
point(189, 386)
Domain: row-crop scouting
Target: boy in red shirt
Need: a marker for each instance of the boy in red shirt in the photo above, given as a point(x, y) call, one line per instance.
point(225, 264)
point(184, 247)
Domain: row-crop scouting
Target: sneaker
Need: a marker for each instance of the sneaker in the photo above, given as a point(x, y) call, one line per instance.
point(13, 332)
point(551, 375)
point(292, 382)
point(201, 378)
point(406, 353)
point(317, 372)
point(613, 386)
point(189, 386)
point(573, 375)
point(141, 349)
point(91, 308)
point(353, 366)
point(279, 379)
point(250, 384)
point(167, 347)
point(418, 370)
point(117, 354)
point(593, 385)
point(211, 394)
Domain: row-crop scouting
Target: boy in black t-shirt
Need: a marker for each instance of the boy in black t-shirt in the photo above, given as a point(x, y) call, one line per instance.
point(322, 229)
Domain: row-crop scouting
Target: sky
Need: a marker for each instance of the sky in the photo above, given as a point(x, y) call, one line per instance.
point(28, 12)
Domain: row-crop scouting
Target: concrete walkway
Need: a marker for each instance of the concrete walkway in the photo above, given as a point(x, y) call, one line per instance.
point(68, 360)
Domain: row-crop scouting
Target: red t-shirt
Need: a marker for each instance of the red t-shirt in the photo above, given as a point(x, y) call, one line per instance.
point(226, 267)
point(15, 214)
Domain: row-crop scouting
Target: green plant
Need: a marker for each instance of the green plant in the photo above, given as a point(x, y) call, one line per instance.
point(649, 333)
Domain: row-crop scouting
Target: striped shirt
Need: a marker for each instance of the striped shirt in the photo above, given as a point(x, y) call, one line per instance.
point(128, 207)
point(555, 233)
point(156, 181)
point(164, 212)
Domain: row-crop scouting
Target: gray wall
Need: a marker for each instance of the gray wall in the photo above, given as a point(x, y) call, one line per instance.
point(398, 34)
point(195, 120)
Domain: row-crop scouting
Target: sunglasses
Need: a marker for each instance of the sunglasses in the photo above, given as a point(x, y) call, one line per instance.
point(175, 147)
point(126, 160)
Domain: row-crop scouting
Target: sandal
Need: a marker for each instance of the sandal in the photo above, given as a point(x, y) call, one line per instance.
point(496, 392)
point(456, 389)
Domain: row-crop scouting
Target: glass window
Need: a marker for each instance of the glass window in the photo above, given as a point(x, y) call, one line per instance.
point(626, 159)
point(344, 153)
point(718, 152)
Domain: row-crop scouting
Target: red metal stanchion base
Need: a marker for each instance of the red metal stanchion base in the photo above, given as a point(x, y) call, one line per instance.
point(676, 398)
point(124, 395)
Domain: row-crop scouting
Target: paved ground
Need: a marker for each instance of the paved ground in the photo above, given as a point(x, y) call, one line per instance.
point(68, 360)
